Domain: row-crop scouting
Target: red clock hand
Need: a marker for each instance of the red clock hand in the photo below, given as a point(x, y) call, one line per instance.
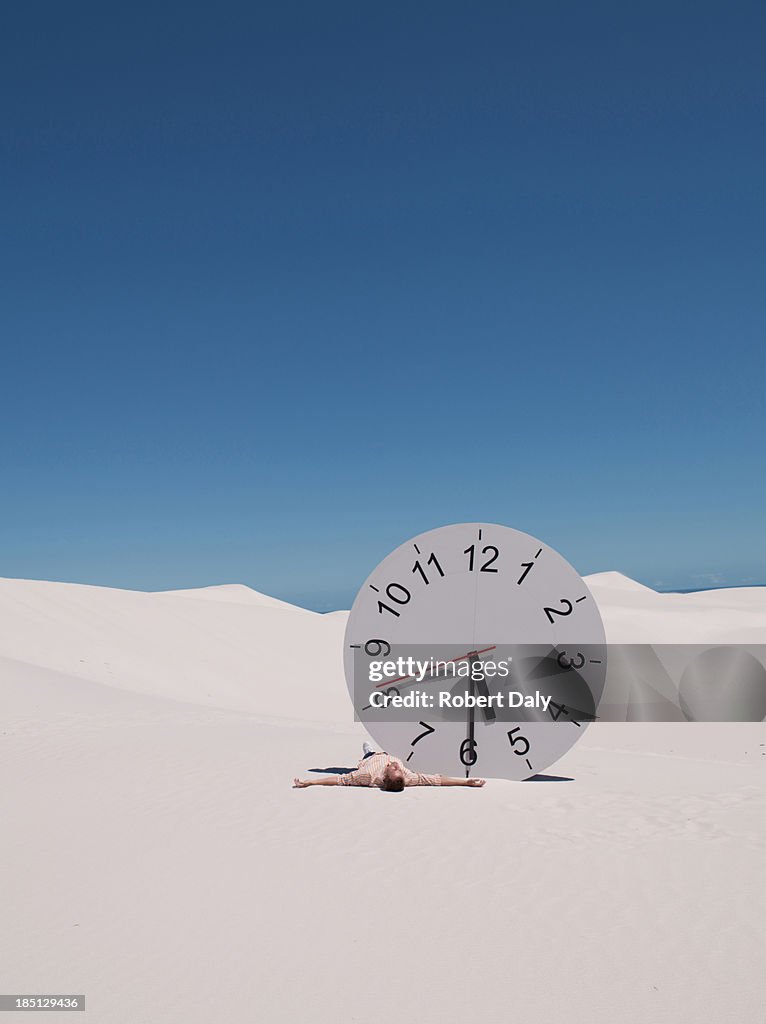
point(471, 654)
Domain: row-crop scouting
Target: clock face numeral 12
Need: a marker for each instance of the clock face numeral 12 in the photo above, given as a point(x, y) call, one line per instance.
point(480, 587)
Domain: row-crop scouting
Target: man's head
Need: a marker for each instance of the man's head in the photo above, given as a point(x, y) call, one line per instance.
point(392, 779)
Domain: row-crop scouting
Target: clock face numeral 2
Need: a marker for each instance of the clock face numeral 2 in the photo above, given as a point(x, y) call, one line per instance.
point(567, 610)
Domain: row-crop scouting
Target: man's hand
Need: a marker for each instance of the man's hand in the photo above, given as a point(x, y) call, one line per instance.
point(330, 780)
point(475, 782)
point(300, 783)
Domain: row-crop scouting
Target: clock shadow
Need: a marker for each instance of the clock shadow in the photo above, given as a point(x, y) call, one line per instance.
point(548, 778)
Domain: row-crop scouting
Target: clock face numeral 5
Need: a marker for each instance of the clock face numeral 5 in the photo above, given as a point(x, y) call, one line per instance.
point(482, 587)
point(519, 743)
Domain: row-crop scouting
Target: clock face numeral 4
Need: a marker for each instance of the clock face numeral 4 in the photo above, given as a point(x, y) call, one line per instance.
point(476, 589)
point(566, 610)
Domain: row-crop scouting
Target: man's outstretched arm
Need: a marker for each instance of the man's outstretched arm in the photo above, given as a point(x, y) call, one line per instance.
point(447, 781)
point(330, 780)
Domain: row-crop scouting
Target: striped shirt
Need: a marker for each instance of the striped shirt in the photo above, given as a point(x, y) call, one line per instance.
point(369, 772)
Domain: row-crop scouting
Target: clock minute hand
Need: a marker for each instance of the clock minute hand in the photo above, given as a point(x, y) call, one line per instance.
point(470, 742)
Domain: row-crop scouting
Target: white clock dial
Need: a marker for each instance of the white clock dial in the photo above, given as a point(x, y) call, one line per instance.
point(481, 587)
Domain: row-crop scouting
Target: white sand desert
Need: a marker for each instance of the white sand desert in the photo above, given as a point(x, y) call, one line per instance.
point(156, 858)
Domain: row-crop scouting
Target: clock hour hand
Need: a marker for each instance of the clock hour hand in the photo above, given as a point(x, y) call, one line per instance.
point(480, 686)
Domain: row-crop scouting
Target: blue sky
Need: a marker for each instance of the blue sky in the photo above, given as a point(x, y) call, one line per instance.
point(283, 285)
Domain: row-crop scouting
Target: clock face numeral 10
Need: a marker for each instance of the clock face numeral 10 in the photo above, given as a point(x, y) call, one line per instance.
point(398, 594)
point(475, 589)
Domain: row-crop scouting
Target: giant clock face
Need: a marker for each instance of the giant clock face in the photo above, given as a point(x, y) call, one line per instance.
point(482, 588)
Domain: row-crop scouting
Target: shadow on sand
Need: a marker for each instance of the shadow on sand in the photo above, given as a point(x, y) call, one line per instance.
point(535, 778)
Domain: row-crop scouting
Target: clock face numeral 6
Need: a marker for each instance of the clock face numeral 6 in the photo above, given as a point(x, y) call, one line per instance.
point(479, 588)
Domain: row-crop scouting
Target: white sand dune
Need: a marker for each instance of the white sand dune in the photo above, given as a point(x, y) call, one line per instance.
point(225, 647)
point(235, 593)
point(155, 857)
point(635, 614)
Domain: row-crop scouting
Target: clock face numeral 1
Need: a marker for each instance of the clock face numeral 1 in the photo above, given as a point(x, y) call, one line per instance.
point(526, 566)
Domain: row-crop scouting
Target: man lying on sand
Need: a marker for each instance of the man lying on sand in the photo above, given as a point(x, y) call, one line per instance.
point(383, 771)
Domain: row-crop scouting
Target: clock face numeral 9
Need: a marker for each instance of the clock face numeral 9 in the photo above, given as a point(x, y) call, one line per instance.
point(375, 648)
